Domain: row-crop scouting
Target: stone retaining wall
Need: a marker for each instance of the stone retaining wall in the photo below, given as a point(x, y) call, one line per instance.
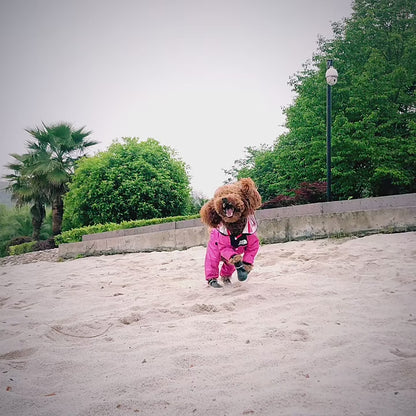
point(395, 213)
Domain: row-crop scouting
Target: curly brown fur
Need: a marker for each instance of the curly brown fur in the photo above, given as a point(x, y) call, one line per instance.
point(231, 205)
point(235, 259)
point(236, 228)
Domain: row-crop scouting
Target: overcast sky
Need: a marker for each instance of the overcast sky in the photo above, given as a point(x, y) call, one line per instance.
point(207, 78)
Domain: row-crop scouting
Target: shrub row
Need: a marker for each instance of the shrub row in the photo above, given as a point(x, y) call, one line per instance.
point(29, 246)
point(75, 235)
point(22, 248)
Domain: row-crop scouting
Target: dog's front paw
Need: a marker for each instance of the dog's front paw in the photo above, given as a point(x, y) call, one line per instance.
point(235, 259)
point(242, 274)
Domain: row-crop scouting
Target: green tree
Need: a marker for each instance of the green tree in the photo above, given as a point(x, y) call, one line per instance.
point(42, 175)
point(259, 164)
point(375, 144)
point(131, 180)
point(374, 110)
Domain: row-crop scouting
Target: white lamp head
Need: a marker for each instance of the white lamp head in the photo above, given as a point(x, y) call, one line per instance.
point(331, 75)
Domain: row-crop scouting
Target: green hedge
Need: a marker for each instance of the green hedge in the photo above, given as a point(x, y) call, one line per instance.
point(21, 248)
point(75, 235)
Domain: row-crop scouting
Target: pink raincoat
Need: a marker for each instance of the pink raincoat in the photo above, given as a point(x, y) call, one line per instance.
point(222, 246)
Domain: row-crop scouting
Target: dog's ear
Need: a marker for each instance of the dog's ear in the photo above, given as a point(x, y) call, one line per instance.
point(250, 194)
point(209, 216)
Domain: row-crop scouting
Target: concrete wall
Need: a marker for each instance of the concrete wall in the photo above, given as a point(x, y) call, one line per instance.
point(328, 219)
point(333, 219)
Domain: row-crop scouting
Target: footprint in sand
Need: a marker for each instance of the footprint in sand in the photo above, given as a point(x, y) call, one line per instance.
point(204, 308)
point(228, 306)
point(22, 305)
point(3, 301)
point(17, 354)
point(294, 336)
point(87, 330)
point(127, 320)
point(403, 354)
point(299, 335)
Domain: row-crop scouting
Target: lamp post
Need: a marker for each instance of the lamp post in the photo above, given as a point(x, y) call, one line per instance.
point(331, 76)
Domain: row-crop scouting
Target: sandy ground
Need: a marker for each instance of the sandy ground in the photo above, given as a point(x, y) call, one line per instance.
point(324, 327)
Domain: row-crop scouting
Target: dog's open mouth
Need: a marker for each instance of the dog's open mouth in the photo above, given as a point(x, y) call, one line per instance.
point(228, 208)
point(229, 212)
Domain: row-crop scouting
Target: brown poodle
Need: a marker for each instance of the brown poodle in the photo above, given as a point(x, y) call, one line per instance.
point(233, 239)
point(231, 205)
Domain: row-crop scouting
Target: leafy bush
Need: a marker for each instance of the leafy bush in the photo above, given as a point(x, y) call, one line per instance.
point(307, 193)
point(22, 248)
point(279, 201)
point(132, 180)
point(75, 235)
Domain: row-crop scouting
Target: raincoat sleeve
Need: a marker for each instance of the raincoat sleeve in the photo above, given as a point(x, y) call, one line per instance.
point(226, 249)
point(252, 248)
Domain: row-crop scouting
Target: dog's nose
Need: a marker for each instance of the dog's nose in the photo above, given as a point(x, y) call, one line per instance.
point(224, 200)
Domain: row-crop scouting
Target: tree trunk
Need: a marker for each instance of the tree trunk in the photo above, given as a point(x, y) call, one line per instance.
point(36, 224)
point(38, 214)
point(57, 214)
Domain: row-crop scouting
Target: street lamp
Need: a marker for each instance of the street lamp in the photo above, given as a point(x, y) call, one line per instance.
point(331, 76)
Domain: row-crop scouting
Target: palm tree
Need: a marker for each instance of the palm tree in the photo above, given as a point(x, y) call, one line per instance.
point(42, 175)
point(53, 152)
point(28, 188)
